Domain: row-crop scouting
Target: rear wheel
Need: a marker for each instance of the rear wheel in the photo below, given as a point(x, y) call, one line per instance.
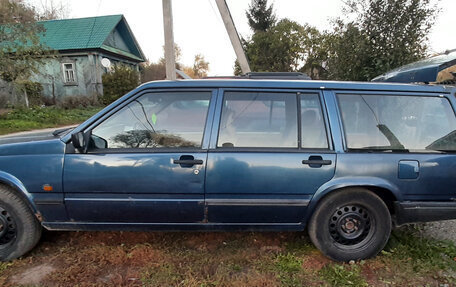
point(20, 231)
point(350, 224)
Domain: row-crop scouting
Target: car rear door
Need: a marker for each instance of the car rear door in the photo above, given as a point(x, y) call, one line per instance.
point(270, 151)
point(146, 161)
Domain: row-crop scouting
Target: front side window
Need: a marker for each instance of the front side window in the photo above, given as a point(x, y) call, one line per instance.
point(398, 122)
point(69, 74)
point(156, 120)
point(258, 119)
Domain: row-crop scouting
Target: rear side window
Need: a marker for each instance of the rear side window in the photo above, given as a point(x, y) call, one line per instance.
point(398, 122)
point(313, 132)
point(259, 119)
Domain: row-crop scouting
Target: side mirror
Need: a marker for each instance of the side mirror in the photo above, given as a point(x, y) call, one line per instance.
point(78, 140)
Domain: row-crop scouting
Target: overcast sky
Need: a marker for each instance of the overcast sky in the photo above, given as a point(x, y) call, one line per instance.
point(198, 27)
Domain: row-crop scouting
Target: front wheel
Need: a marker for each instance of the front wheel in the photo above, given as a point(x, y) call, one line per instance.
point(19, 228)
point(350, 224)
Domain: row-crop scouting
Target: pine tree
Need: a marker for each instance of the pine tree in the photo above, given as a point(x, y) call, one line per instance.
point(260, 16)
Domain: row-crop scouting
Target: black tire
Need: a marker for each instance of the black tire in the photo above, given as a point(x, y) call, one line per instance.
point(20, 230)
point(350, 224)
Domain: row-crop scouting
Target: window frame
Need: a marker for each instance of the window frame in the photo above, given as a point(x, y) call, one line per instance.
point(73, 69)
point(117, 108)
point(298, 93)
point(346, 149)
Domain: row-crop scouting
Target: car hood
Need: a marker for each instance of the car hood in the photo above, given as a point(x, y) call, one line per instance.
point(26, 137)
point(437, 69)
point(41, 142)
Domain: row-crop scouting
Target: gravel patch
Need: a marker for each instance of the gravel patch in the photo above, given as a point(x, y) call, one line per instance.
point(34, 275)
point(442, 230)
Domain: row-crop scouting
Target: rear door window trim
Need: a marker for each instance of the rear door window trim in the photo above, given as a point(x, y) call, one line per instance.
point(298, 92)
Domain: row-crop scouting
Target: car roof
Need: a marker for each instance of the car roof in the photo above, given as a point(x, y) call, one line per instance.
point(300, 84)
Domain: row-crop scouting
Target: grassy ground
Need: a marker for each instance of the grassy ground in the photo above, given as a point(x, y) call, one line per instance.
point(37, 118)
point(222, 259)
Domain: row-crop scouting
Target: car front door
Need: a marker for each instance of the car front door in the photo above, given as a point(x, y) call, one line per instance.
point(146, 162)
point(269, 153)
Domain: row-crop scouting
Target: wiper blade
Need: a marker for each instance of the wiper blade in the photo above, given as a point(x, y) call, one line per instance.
point(370, 149)
point(440, 150)
point(61, 131)
point(393, 140)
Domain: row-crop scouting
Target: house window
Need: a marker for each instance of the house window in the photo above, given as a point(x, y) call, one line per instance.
point(69, 73)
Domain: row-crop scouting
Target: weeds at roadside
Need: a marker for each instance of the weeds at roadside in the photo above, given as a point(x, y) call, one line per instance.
point(288, 267)
point(4, 266)
point(43, 117)
point(415, 256)
point(343, 275)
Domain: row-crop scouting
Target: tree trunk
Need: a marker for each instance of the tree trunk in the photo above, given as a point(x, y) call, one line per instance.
point(27, 105)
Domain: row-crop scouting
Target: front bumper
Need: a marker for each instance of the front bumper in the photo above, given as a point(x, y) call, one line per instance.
point(417, 211)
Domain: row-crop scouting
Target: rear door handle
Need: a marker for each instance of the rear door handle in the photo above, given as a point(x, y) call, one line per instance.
point(188, 161)
point(319, 162)
point(316, 161)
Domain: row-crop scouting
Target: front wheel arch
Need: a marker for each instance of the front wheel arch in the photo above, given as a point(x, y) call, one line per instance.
point(21, 192)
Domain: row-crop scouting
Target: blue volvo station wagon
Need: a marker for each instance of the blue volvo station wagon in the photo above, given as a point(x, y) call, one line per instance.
point(345, 160)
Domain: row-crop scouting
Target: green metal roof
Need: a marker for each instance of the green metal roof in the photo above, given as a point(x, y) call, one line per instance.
point(89, 33)
point(80, 33)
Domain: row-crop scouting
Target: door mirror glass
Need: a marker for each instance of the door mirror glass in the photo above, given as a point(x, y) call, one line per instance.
point(97, 142)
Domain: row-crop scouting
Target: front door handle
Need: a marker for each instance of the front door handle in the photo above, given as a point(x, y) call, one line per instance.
point(316, 161)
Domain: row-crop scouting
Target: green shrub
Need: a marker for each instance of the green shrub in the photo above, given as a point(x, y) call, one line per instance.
point(118, 82)
point(34, 92)
point(74, 102)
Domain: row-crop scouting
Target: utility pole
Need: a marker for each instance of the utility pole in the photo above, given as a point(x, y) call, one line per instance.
point(169, 40)
point(234, 36)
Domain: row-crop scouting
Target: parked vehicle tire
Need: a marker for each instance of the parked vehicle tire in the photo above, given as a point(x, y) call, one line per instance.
point(20, 231)
point(350, 224)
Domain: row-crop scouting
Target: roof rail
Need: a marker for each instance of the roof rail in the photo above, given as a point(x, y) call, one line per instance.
point(267, 75)
point(277, 75)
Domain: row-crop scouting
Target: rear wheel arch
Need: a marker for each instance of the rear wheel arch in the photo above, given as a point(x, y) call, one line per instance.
point(334, 222)
point(387, 196)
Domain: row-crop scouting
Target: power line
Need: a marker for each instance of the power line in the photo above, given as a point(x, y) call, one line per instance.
point(93, 25)
point(216, 14)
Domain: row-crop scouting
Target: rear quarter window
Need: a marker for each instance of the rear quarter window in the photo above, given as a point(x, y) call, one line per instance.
point(393, 122)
